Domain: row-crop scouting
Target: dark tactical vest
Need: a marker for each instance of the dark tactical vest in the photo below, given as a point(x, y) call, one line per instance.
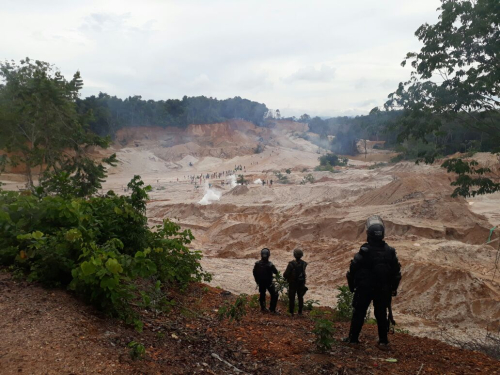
point(263, 272)
point(375, 272)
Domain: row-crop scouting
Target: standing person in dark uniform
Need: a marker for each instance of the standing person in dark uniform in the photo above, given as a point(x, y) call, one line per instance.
point(295, 274)
point(374, 275)
point(263, 272)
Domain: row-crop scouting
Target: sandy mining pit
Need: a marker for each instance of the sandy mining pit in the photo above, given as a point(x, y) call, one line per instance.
point(449, 281)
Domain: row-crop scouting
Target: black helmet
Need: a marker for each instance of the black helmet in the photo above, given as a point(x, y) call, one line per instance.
point(265, 253)
point(298, 253)
point(375, 228)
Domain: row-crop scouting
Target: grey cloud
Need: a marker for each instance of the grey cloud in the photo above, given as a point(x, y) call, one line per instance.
point(310, 73)
point(361, 83)
point(324, 57)
point(366, 103)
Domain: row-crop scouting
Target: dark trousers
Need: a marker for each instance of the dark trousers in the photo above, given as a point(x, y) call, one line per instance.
point(272, 292)
point(298, 290)
point(361, 302)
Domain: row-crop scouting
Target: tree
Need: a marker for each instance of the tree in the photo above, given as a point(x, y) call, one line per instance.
point(305, 118)
point(455, 78)
point(40, 127)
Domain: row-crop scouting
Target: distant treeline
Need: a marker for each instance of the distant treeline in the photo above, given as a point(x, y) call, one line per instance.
point(454, 135)
point(109, 113)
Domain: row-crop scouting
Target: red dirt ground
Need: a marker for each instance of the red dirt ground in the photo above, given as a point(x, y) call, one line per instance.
point(51, 332)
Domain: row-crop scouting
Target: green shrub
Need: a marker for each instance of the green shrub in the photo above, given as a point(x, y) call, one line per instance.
point(234, 311)
point(332, 160)
point(323, 329)
point(137, 350)
point(254, 301)
point(309, 304)
point(241, 179)
point(97, 247)
point(281, 287)
point(282, 179)
point(343, 309)
point(308, 178)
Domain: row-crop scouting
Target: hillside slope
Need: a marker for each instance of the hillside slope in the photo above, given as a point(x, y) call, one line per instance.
point(50, 332)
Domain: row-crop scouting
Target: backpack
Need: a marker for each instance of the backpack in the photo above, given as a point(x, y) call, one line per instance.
point(297, 275)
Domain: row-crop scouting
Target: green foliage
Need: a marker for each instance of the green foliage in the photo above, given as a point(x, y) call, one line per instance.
point(468, 185)
point(309, 304)
point(110, 113)
point(254, 301)
point(234, 311)
point(137, 350)
point(139, 194)
point(462, 50)
point(343, 309)
point(308, 178)
point(332, 160)
point(241, 179)
point(281, 287)
point(77, 177)
point(288, 171)
point(323, 329)
point(328, 161)
point(282, 179)
point(97, 247)
point(402, 330)
point(40, 126)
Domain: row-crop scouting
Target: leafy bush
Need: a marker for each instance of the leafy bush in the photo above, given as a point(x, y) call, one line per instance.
point(241, 179)
point(97, 247)
point(234, 311)
point(332, 160)
point(308, 178)
point(281, 287)
point(282, 179)
point(323, 329)
point(309, 304)
point(137, 350)
point(254, 301)
point(288, 171)
point(343, 309)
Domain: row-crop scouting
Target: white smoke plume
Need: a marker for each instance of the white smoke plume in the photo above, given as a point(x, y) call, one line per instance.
point(258, 181)
point(210, 196)
point(232, 181)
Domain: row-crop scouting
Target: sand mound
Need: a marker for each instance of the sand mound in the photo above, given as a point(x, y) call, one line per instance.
point(239, 190)
point(406, 189)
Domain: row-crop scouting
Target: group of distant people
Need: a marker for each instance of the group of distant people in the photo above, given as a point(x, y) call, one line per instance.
point(198, 179)
point(374, 275)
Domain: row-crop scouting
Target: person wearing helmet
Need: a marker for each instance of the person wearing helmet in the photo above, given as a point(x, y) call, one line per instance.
point(263, 272)
point(295, 274)
point(374, 275)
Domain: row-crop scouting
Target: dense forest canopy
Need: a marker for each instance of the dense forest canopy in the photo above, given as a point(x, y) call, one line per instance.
point(110, 113)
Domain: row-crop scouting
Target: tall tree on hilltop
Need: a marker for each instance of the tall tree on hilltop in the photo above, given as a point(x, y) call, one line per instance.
point(455, 78)
point(40, 126)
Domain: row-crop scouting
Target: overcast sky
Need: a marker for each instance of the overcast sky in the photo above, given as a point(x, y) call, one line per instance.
point(324, 58)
